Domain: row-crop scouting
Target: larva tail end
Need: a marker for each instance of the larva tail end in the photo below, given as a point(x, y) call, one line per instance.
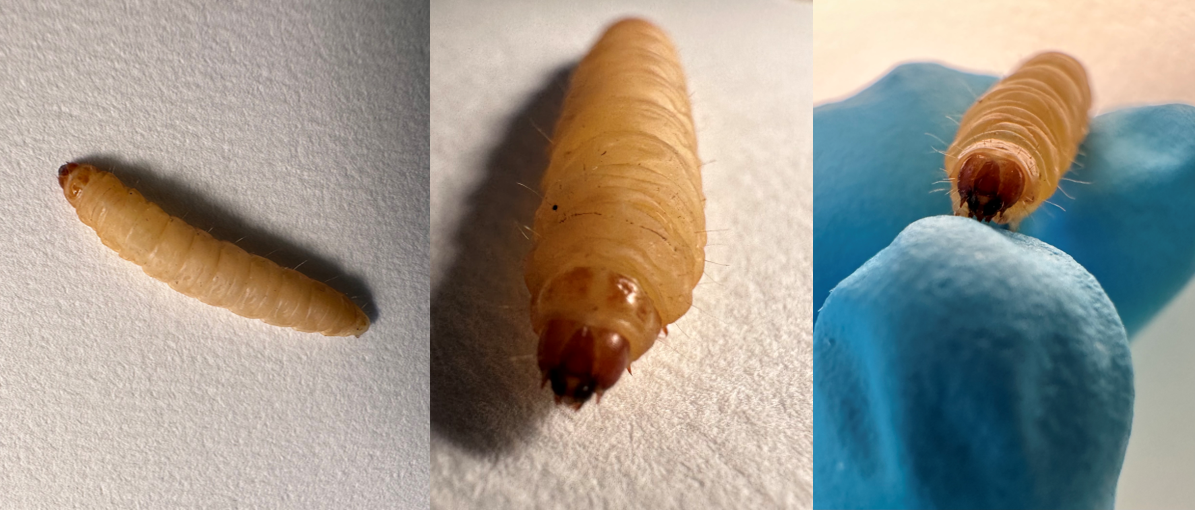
point(362, 326)
point(359, 326)
point(580, 360)
point(988, 185)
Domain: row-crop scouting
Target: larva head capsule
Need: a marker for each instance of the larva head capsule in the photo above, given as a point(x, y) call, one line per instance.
point(581, 361)
point(73, 177)
point(592, 324)
point(988, 185)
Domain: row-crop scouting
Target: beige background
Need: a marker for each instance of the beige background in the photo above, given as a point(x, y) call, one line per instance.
point(1136, 53)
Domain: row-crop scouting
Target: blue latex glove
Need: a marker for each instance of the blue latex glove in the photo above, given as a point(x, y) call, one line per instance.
point(969, 367)
point(874, 165)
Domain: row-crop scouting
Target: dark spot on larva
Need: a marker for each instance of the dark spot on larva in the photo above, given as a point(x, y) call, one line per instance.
point(554, 207)
point(989, 185)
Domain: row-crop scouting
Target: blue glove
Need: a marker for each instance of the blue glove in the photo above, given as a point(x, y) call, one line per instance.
point(969, 367)
point(875, 164)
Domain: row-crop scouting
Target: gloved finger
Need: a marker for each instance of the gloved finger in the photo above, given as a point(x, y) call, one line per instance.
point(969, 367)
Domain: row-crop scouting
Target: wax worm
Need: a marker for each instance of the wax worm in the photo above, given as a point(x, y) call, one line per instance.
point(1015, 143)
point(191, 261)
point(621, 229)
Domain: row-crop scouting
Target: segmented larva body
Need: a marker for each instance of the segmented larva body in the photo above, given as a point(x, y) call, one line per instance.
point(621, 230)
point(1015, 143)
point(191, 261)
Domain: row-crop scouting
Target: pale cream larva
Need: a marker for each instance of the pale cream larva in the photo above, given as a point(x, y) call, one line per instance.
point(1015, 143)
point(621, 229)
point(194, 263)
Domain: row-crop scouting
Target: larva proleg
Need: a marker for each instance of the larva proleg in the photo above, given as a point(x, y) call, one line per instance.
point(1015, 143)
point(622, 225)
point(194, 263)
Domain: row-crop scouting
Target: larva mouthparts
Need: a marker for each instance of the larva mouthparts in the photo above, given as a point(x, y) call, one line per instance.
point(194, 263)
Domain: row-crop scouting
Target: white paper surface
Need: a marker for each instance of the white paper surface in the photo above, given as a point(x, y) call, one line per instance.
point(299, 127)
point(719, 414)
point(1136, 53)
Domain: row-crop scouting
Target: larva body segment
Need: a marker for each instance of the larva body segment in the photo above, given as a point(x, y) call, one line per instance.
point(194, 263)
point(621, 229)
point(1015, 143)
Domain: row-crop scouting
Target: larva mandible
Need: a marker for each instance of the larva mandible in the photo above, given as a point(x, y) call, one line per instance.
point(194, 263)
point(621, 229)
point(1015, 143)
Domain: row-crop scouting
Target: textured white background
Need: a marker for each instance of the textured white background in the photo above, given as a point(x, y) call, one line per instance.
point(299, 126)
point(1136, 53)
point(718, 415)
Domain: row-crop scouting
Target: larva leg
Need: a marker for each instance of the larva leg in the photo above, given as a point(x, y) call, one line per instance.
point(192, 262)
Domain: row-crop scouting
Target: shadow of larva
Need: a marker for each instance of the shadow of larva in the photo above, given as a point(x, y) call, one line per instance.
point(483, 395)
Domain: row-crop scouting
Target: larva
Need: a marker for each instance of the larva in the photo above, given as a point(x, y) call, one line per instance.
point(191, 261)
point(621, 229)
point(1015, 143)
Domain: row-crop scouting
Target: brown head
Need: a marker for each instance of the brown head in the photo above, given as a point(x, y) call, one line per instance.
point(989, 184)
point(581, 361)
point(73, 177)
